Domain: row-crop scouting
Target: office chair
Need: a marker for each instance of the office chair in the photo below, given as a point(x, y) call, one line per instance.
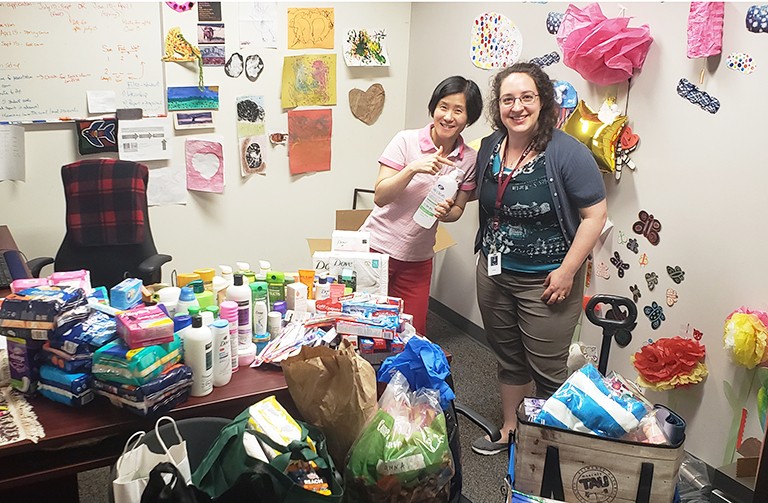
point(107, 220)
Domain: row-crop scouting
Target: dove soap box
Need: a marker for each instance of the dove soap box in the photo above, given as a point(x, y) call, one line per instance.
point(126, 294)
point(144, 326)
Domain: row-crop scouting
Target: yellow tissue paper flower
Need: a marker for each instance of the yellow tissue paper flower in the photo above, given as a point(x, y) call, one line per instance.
point(696, 375)
point(746, 338)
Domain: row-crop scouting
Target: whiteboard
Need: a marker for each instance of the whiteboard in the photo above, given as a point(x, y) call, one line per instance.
point(53, 53)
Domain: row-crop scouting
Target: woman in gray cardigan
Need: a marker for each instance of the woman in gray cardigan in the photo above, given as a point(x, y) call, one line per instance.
point(542, 208)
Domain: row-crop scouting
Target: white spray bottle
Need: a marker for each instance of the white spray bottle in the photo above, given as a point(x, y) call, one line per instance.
point(445, 187)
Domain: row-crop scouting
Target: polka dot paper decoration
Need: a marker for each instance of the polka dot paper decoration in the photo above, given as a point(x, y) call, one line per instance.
point(757, 19)
point(496, 41)
point(554, 19)
point(741, 62)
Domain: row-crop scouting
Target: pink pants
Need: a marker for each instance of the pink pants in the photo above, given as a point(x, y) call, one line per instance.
point(410, 281)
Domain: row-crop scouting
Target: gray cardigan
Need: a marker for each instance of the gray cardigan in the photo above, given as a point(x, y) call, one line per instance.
point(574, 179)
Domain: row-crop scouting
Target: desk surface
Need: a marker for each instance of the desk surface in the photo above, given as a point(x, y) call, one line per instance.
point(93, 436)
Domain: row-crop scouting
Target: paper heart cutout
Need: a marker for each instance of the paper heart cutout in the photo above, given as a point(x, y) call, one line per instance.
point(207, 165)
point(367, 105)
point(628, 138)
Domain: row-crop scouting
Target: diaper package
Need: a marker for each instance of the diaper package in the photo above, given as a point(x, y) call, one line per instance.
point(39, 307)
point(118, 363)
point(65, 361)
point(156, 396)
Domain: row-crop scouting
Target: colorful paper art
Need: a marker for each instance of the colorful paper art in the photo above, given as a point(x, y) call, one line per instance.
point(745, 337)
point(546, 60)
point(251, 133)
point(367, 105)
point(213, 55)
point(647, 226)
point(309, 80)
point(554, 19)
point(362, 48)
point(179, 50)
point(705, 29)
point(309, 140)
point(698, 97)
point(757, 19)
point(180, 6)
point(669, 363)
point(234, 66)
point(193, 120)
point(210, 33)
point(310, 28)
point(604, 51)
point(205, 165)
point(96, 136)
point(568, 99)
point(496, 41)
point(193, 98)
point(741, 62)
point(599, 137)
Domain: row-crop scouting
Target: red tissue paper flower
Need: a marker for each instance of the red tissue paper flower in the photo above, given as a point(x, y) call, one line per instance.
point(670, 362)
point(604, 51)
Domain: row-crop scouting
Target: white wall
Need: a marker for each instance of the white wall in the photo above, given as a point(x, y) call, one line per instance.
point(701, 175)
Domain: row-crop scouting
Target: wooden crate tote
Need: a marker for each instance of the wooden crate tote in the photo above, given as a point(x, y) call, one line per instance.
point(581, 468)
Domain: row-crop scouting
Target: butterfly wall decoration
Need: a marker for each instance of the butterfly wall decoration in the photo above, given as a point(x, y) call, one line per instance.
point(602, 271)
point(647, 226)
point(677, 274)
point(632, 245)
point(620, 264)
point(635, 292)
point(652, 279)
point(671, 297)
point(655, 313)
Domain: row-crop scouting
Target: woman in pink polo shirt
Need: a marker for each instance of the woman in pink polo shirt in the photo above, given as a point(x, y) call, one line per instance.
point(408, 169)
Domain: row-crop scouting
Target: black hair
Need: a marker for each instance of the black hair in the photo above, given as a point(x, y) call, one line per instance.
point(455, 85)
point(546, 91)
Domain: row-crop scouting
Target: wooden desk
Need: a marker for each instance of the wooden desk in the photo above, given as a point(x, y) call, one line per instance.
point(93, 436)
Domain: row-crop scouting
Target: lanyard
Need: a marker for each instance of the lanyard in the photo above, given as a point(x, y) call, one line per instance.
point(504, 181)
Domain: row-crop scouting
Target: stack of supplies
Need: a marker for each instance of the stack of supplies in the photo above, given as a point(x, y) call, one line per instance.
point(156, 396)
point(70, 389)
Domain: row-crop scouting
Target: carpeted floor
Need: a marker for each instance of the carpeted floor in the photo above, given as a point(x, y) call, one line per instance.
point(474, 375)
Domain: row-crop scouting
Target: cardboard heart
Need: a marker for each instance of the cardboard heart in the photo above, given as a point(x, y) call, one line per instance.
point(367, 105)
point(628, 138)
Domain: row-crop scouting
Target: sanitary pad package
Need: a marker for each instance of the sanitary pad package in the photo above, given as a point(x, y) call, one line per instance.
point(145, 326)
point(118, 363)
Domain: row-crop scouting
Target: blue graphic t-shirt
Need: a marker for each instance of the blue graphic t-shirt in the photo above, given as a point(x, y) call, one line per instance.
point(528, 237)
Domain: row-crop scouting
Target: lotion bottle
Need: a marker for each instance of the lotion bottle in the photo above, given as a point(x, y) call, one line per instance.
point(446, 186)
point(222, 360)
point(241, 294)
point(198, 355)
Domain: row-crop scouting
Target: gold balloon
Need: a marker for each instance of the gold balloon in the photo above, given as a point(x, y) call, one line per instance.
point(599, 137)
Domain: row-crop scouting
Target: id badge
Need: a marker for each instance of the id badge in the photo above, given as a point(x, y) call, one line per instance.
point(494, 263)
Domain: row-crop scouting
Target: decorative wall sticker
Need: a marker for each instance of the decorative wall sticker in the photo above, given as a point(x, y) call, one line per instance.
point(364, 48)
point(546, 60)
point(697, 96)
point(655, 313)
point(647, 226)
point(601, 271)
point(621, 266)
point(635, 292)
point(757, 19)
point(367, 105)
point(496, 41)
point(254, 65)
point(96, 136)
point(603, 51)
point(652, 279)
point(697, 334)
point(643, 260)
point(599, 137)
point(234, 66)
point(741, 62)
point(180, 6)
point(554, 19)
point(632, 245)
point(676, 273)
point(310, 28)
point(205, 165)
point(671, 297)
point(179, 50)
point(622, 238)
point(745, 337)
point(705, 29)
point(309, 80)
point(670, 362)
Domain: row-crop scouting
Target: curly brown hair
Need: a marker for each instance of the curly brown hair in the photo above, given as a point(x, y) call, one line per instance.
point(546, 91)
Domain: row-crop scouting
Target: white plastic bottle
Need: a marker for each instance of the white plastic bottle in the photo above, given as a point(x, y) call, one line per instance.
point(241, 294)
point(186, 300)
point(446, 186)
point(322, 288)
point(198, 355)
point(260, 311)
point(222, 360)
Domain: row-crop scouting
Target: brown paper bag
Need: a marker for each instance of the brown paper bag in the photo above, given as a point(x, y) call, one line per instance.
point(334, 390)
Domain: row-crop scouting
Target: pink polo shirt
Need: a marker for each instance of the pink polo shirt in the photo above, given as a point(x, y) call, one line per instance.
point(392, 228)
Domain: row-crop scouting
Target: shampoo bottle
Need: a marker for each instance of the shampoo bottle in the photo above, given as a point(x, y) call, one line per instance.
point(186, 299)
point(198, 355)
point(229, 313)
point(446, 186)
point(241, 294)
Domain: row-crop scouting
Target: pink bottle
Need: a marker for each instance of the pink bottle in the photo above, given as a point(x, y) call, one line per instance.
point(228, 311)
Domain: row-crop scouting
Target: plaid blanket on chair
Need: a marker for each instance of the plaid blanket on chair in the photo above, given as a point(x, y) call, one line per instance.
point(106, 201)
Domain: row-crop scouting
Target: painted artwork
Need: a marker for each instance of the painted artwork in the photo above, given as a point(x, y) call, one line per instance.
point(364, 48)
point(309, 140)
point(253, 154)
point(97, 136)
point(210, 33)
point(193, 98)
point(213, 55)
point(193, 120)
point(496, 41)
point(205, 165)
point(251, 134)
point(310, 28)
point(309, 80)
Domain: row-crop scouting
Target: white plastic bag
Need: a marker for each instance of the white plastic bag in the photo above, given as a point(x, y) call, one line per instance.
point(134, 464)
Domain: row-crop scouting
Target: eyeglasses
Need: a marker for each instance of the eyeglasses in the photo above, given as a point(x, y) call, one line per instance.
point(525, 99)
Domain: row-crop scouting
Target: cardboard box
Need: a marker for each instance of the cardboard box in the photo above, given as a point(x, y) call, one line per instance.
point(351, 220)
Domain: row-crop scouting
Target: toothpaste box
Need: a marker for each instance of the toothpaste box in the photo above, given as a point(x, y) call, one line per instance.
point(345, 327)
point(144, 326)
